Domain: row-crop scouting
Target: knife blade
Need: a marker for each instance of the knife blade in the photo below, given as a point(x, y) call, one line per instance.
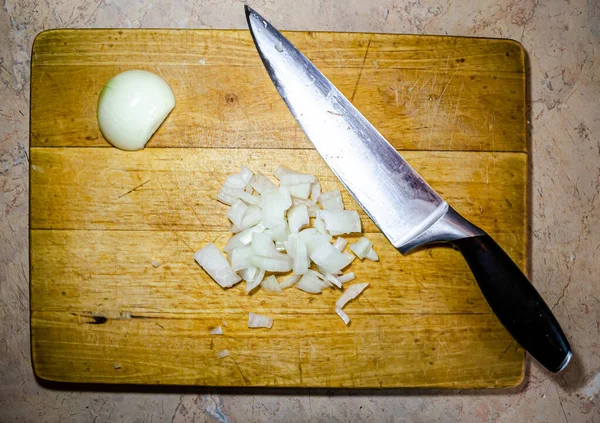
point(398, 200)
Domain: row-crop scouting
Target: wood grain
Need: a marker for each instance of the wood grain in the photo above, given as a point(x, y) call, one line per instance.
point(422, 93)
point(101, 312)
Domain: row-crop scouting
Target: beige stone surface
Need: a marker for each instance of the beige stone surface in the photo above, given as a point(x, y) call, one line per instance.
point(562, 39)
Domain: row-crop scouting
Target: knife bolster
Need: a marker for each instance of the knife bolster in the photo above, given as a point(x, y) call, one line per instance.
point(450, 227)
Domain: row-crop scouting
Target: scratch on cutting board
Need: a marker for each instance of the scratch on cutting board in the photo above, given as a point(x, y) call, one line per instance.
point(133, 189)
point(361, 69)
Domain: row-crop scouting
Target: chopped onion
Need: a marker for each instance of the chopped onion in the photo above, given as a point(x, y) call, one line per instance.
point(297, 218)
point(270, 284)
point(274, 205)
point(249, 273)
point(252, 216)
point(249, 198)
point(262, 184)
point(283, 170)
point(329, 258)
point(217, 331)
point(301, 260)
point(372, 255)
point(335, 281)
point(343, 315)
point(332, 200)
point(346, 278)
point(310, 283)
point(361, 247)
point(339, 222)
point(236, 212)
point(299, 191)
point(243, 238)
point(289, 281)
point(296, 179)
point(262, 245)
point(340, 243)
point(223, 354)
point(258, 321)
point(255, 281)
point(349, 256)
point(315, 191)
point(271, 264)
point(268, 222)
point(213, 262)
point(241, 258)
point(313, 239)
point(350, 293)
point(319, 225)
point(131, 107)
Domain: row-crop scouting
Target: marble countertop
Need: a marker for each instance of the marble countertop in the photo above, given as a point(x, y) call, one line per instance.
point(562, 39)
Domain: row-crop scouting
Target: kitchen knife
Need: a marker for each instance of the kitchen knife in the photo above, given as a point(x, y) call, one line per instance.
point(406, 209)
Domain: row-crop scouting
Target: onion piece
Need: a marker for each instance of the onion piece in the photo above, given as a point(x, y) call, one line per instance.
point(315, 191)
point(280, 233)
point(346, 277)
point(243, 238)
point(254, 282)
point(296, 179)
point(252, 216)
point(131, 107)
point(225, 198)
point(234, 229)
point(312, 208)
point(270, 284)
point(290, 281)
point(236, 212)
point(332, 200)
point(301, 260)
point(241, 258)
point(283, 170)
point(335, 281)
point(349, 256)
point(217, 331)
point(340, 243)
point(361, 247)
point(329, 258)
point(274, 205)
point(350, 293)
point(249, 273)
point(339, 222)
point(372, 255)
point(258, 321)
point(343, 315)
point(319, 225)
point(297, 218)
point(299, 191)
point(312, 238)
point(280, 246)
point(271, 264)
point(213, 262)
point(310, 283)
point(249, 198)
point(262, 184)
point(223, 354)
point(262, 245)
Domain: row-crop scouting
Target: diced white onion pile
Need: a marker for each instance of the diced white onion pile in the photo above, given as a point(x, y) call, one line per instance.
point(273, 234)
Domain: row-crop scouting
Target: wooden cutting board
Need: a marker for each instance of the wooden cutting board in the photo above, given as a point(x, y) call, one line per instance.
point(102, 312)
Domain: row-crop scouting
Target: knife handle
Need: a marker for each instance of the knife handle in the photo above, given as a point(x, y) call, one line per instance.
point(516, 302)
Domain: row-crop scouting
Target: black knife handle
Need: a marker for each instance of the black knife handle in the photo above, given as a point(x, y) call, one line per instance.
point(516, 302)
